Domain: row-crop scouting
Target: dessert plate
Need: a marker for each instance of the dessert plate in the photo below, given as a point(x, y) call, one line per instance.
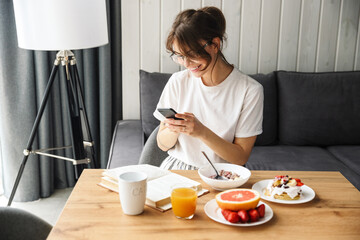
point(213, 211)
point(307, 193)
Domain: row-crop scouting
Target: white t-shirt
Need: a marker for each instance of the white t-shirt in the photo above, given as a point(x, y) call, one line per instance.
point(233, 108)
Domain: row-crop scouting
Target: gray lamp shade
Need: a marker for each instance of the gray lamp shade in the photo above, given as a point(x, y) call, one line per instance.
point(54, 25)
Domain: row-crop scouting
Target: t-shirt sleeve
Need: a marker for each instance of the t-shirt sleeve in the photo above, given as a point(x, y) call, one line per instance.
point(251, 116)
point(168, 98)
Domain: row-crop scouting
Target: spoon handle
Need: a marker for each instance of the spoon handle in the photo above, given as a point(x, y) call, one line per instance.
point(217, 174)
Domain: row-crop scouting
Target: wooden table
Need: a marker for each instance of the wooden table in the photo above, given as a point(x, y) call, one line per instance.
point(93, 212)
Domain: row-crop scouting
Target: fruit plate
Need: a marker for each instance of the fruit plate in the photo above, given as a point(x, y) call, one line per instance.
point(307, 193)
point(213, 211)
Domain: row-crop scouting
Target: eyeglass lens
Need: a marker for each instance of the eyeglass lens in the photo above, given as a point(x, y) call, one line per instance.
point(180, 59)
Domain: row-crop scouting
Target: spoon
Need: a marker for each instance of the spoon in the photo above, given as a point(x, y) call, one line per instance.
point(218, 176)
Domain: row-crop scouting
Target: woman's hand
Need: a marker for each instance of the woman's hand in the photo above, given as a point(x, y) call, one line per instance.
point(190, 125)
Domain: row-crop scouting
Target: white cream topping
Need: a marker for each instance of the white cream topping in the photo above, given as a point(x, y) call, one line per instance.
point(291, 191)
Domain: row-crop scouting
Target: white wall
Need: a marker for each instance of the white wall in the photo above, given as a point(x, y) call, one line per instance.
point(263, 36)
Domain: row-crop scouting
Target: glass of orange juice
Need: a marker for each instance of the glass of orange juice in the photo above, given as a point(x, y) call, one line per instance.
point(183, 200)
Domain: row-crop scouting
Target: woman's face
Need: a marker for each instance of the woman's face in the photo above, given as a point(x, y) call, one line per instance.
point(197, 66)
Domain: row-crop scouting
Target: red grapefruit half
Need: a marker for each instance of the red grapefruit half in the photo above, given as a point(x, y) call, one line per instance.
point(238, 199)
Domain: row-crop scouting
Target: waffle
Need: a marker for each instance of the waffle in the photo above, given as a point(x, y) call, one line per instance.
point(284, 188)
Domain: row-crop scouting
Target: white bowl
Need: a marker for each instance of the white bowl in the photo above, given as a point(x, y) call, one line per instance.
point(221, 185)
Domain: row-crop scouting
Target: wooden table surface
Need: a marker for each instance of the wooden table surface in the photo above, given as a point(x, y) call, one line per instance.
point(93, 212)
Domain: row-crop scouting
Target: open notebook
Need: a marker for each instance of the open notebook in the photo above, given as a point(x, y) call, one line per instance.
point(159, 183)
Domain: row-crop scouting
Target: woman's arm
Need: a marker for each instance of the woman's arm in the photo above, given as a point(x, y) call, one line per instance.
point(166, 138)
point(237, 152)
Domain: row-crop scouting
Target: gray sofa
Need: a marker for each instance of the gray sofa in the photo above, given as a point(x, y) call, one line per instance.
point(311, 122)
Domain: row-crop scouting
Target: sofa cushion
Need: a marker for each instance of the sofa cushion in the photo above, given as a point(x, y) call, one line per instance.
point(349, 155)
point(295, 158)
point(269, 135)
point(126, 144)
point(321, 109)
point(282, 157)
point(151, 87)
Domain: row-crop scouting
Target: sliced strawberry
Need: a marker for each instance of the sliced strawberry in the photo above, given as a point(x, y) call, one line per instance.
point(298, 182)
point(254, 215)
point(244, 216)
point(225, 213)
point(261, 210)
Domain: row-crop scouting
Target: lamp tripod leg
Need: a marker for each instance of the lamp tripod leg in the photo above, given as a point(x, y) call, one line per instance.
point(34, 130)
point(83, 115)
point(79, 125)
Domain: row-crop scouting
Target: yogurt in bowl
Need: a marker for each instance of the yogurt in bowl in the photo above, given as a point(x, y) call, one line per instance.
point(239, 174)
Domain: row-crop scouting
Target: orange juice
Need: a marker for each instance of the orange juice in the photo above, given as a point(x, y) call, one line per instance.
point(183, 200)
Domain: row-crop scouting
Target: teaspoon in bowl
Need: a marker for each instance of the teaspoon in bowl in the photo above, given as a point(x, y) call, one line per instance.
point(218, 176)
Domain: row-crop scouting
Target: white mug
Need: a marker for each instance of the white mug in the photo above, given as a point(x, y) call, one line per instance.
point(132, 192)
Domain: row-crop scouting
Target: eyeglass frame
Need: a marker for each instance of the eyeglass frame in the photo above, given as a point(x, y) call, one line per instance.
point(175, 56)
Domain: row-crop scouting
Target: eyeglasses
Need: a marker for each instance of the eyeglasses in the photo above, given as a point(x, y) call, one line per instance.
point(180, 59)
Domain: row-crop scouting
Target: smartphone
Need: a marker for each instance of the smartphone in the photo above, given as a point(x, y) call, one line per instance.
point(168, 113)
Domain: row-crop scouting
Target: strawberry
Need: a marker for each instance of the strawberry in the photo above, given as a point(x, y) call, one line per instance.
point(298, 182)
point(254, 215)
point(261, 210)
point(233, 217)
point(244, 216)
point(225, 213)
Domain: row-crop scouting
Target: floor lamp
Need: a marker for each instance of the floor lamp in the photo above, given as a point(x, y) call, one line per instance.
point(62, 25)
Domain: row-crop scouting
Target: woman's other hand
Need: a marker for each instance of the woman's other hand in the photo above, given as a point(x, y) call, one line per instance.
point(190, 125)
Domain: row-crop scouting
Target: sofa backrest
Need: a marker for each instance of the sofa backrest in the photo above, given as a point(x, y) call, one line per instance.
point(270, 118)
point(152, 84)
point(151, 87)
point(319, 109)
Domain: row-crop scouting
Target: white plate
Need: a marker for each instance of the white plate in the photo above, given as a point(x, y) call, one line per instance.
point(307, 193)
point(213, 211)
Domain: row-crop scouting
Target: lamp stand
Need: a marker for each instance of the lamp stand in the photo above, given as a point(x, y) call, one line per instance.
point(81, 140)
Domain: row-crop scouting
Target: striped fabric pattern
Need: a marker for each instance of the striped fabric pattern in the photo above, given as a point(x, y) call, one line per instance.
point(172, 163)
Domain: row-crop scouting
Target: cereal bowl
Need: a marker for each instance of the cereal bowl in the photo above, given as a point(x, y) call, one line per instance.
point(207, 171)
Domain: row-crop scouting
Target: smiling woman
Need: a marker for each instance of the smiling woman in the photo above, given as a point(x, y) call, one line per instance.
point(220, 107)
point(193, 34)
